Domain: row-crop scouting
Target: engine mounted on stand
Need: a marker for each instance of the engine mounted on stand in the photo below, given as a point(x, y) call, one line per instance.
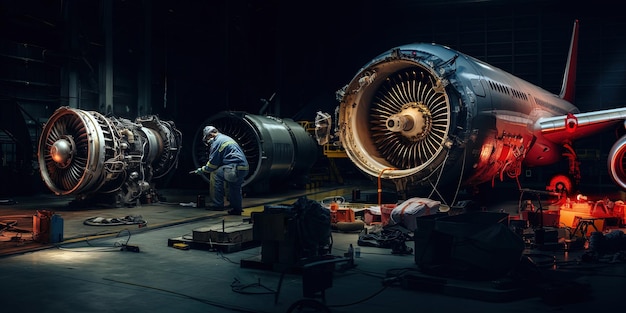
point(89, 155)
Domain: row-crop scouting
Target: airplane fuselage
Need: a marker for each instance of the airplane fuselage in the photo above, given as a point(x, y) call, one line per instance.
point(426, 115)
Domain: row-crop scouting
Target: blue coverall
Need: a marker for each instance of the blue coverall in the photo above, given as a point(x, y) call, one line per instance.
point(228, 164)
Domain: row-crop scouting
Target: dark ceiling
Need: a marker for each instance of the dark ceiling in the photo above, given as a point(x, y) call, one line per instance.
point(229, 55)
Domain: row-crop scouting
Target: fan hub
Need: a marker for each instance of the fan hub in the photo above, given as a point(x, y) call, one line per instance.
point(412, 122)
point(61, 151)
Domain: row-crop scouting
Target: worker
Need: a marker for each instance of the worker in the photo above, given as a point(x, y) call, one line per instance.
point(228, 165)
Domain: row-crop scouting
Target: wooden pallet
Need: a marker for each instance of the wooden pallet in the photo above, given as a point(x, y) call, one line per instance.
point(225, 237)
point(225, 247)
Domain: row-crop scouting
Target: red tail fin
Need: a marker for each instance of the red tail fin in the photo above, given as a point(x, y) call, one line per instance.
point(569, 78)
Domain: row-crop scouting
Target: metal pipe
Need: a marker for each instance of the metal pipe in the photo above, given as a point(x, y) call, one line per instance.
point(380, 188)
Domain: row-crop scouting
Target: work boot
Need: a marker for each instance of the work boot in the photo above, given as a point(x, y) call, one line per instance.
point(214, 207)
point(235, 212)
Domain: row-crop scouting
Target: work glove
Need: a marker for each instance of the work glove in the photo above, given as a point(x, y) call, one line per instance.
point(197, 171)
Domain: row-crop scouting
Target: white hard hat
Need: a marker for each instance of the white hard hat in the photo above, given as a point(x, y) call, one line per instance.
point(207, 131)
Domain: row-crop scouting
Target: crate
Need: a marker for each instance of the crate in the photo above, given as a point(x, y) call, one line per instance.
point(371, 217)
point(270, 226)
point(47, 227)
point(477, 244)
point(342, 215)
point(385, 213)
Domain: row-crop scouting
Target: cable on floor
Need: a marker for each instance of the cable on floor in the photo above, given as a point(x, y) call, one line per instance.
point(359, 301)
point(238, 287)
point(205, 301)
point(106, 248)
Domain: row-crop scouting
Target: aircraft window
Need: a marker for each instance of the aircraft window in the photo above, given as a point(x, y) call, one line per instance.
point(505, 89)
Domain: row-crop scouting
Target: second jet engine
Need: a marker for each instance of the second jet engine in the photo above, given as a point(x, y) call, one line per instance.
point(279, 151)
point(87, 154)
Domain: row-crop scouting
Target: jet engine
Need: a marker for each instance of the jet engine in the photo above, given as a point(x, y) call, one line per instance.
point(617, 162)
point(279, 151)
point(396, 121)
point(87, 154)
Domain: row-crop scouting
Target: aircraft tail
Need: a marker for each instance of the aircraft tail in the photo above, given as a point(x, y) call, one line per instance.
point(569, 77)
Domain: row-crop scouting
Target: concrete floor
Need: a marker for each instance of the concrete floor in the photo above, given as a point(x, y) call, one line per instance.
point(88, 272)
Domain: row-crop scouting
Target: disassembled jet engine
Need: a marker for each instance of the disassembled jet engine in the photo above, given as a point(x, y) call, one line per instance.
point(87, 154)
point(431, 119)
point(398, 121)
point(279, 151)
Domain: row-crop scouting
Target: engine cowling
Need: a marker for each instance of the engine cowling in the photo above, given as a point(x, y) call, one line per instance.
point(617, 162)
point(401, 118)
point(85, 153)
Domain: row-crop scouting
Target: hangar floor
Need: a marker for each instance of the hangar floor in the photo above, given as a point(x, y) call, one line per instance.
point(88, 271)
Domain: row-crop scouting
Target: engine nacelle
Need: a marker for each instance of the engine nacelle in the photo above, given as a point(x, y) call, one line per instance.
point(617, 157)
point(85, 153)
